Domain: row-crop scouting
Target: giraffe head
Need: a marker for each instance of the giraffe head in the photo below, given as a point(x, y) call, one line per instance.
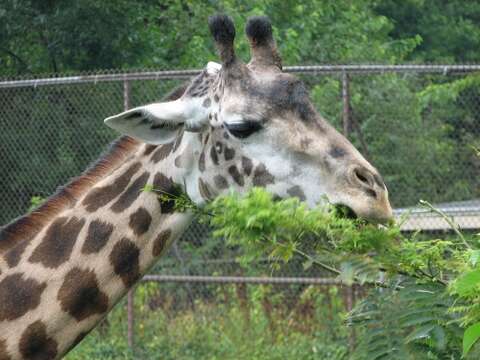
point(253, 125)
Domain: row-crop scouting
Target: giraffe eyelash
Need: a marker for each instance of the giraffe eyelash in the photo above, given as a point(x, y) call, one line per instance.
point(243, 129)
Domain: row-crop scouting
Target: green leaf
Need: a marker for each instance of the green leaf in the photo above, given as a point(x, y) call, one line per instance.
point(421, 333)
point(307, 264)
point(419, 320)
point(474, 257)
point(467, 283)
point(470, 337)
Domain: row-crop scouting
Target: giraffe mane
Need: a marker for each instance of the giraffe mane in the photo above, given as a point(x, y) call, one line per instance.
point(25, 227)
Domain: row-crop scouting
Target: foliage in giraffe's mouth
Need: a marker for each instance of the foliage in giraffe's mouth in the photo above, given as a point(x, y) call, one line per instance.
point(344, 211)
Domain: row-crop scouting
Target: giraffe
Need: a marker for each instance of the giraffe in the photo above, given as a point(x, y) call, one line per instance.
point(234, 126)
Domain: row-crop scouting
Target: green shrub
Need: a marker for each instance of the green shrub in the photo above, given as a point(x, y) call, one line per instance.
point(425, 291)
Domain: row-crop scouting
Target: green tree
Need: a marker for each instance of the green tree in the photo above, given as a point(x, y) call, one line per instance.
point(59, 36)
point(449, 29)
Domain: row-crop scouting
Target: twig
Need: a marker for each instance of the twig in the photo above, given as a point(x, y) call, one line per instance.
point(338, 272)
point(450, 222)
point(317, 262)
point(380, 269)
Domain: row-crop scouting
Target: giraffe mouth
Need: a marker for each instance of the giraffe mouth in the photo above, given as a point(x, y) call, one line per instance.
point(344, 212)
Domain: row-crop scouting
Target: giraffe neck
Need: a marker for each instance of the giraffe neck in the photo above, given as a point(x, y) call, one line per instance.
point(58, 283)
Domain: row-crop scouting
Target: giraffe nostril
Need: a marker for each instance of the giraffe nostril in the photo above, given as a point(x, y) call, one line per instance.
point(367, 180)
point(362, 177)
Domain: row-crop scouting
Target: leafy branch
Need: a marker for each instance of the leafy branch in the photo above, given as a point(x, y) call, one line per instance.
point(432, 285)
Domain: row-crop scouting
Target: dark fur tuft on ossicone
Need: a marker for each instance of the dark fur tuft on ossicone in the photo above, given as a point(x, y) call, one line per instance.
point(222, 28)
point(259, 30)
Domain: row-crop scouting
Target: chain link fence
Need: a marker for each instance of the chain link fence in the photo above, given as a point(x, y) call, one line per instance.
point(419, 125)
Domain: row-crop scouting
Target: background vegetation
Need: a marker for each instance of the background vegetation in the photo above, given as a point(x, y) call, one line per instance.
point(61, 36)
point(264, 323)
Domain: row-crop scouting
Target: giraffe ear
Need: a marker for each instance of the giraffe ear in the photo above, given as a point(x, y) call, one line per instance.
point(158, 123)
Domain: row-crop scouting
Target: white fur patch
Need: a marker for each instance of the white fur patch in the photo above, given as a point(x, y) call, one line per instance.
point(288, 171)
point(213, 68)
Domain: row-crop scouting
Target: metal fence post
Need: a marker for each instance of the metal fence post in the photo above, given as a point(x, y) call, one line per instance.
point(346, 104)
point(126, 95)
point(130, 318)
point(131, 292)
point(350, 304)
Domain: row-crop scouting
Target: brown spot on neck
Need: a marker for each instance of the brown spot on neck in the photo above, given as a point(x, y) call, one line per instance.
point(125, 261)
point(148, 149)
point(101, 196)
point(18, 296)
point(57, 244)
point(130, 194)
point(98, 234)
point(140, 221)
point(164, 185)
point(14, 240)
point(178, 140)
point(14, 255)
point(80, 295)
point(162, 152)
point(35, 343)
point(160, 242)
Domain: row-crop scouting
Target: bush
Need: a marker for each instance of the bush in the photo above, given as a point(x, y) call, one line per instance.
point(424, 290)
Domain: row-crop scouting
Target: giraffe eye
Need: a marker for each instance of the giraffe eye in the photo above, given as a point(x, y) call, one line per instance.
point(243, 129)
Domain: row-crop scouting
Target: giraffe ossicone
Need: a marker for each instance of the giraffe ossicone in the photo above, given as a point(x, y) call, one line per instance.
point(234, 126)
